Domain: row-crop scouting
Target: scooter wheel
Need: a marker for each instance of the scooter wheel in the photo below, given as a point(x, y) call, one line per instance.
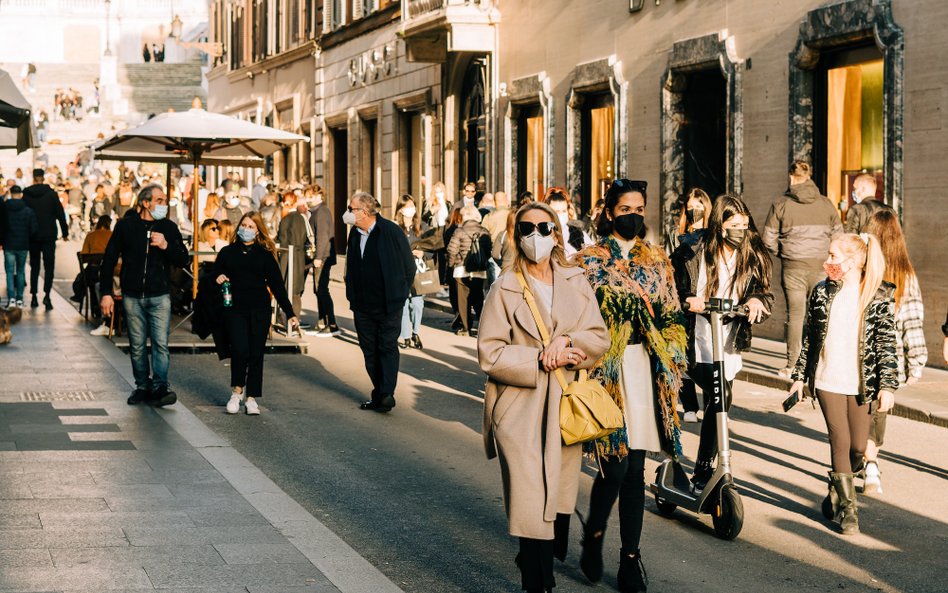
point(664, 507)
point(728, 515)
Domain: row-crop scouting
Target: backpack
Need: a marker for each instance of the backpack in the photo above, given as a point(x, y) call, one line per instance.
point(479, 255)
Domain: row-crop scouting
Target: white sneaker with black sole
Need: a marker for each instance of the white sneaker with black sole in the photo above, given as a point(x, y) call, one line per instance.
point(691, 417)
point(233, 406)
point(251, 407)
point(102, 330)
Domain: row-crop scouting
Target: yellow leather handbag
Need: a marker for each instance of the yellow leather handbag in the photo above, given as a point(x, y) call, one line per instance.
point(587, 411)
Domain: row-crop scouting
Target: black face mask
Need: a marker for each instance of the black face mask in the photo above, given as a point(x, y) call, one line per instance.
point(695, 215)
point(629, 226)
point(734, 237)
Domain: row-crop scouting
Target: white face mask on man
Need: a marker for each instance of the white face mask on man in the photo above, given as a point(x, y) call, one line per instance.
point(536, 247)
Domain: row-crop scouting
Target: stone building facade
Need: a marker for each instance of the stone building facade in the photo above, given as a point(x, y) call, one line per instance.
point(529, 94)
point(725, 95)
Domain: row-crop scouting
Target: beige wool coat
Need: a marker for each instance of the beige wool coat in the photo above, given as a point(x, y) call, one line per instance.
point(522, 402)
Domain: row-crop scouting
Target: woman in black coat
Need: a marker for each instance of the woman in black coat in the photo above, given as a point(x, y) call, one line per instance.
point(249, 264)
point(728, 260)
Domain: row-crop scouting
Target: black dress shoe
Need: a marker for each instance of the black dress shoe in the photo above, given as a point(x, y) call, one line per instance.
point(369, 405)
point(48, 303)
point(33, 302)
point(385, 404)
point(416, 341)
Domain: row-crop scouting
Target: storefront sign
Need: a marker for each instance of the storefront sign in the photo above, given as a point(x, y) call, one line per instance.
point(373, 65)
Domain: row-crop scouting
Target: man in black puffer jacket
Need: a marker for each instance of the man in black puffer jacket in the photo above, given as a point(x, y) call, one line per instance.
point(44, 201)
point(149, 245)
point(17, 227)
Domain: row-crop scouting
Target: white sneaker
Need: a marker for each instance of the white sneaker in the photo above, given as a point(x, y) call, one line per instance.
point(873, 478)
point(691, 417)
point(102, 330)
point(233, 406)
point(251, 407)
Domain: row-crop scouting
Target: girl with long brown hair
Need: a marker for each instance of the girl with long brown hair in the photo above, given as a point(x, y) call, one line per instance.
point(728, 260)
point(249, 264)
point(848, 360)
point(910, 348)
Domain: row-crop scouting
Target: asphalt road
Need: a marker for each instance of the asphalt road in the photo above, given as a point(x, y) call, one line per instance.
point(413, 492)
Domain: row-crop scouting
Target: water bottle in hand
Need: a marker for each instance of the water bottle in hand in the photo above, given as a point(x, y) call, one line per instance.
point(228, 297)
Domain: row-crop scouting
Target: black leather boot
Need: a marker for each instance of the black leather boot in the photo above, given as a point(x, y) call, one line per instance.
point(632, 577)
point(590, 562)
point(561, 536)
point(847, 515)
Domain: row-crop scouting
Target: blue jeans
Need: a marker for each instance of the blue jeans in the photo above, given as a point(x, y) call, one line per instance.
point(14, 262)
point(411, 316)
point(149, 317)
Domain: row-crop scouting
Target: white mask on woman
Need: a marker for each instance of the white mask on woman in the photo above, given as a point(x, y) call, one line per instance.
point(536, 247)
point(408, 213)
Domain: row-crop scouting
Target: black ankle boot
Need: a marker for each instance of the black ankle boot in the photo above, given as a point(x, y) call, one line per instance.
point(561, 536)
point(591, 560)
point(632, 577)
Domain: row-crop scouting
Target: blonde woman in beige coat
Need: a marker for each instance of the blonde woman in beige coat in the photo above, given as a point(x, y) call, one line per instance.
point(521, 407)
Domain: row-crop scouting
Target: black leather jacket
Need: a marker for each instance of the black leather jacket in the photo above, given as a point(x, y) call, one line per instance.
point(687, 263)
point(879, 369)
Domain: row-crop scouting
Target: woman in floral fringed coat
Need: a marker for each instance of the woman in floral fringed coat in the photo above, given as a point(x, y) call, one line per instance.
point(634, 284)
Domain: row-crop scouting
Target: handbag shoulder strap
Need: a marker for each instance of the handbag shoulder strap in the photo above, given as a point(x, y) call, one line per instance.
point(544, 333)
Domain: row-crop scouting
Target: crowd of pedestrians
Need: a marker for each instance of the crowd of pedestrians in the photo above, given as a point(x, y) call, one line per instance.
point(550, 294)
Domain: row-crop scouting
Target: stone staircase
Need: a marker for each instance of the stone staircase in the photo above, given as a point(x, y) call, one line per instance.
point(154, 88)
point(144, 89)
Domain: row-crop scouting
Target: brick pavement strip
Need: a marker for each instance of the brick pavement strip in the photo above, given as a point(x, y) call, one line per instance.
point(75, 511)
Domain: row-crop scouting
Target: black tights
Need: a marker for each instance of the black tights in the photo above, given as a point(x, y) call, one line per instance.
point(624, 479)
point(702, 375)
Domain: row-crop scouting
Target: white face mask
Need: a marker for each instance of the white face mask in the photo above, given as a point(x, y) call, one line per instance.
point(408, 212)
point(468, 201)
point(234, 201)
point(564, 219)
point(536, 247)
point(349, 217)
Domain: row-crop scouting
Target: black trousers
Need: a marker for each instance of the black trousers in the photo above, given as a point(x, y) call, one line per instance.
point(247, 331)
point(46, 249)
point(470, 296)
point(536, 564)
point(324, 305)
point(702, 375)
point(688, 395)
point(624, 479)
point(378, 338)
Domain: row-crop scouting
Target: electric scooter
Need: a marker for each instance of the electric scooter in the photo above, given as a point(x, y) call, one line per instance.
point(719, 498)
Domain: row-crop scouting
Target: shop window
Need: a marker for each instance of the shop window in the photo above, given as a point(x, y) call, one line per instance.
point(531, 149)
point(597, 147)
point(850, 114)
point(414, 145)
point(703, 132)
point(474, 123)
point(339, 150)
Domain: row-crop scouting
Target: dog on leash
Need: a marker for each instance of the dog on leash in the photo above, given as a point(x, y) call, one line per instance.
point(8, 318)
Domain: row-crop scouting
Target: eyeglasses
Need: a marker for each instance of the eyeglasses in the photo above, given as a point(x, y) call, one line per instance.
point(351, 209)
point(528, 228)
point(631, 185)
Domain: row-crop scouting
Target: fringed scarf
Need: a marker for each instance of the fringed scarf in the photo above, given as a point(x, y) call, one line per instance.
point(622, 286)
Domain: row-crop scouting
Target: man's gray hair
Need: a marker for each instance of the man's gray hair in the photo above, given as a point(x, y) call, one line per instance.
point(366, 201)
point(144, 194)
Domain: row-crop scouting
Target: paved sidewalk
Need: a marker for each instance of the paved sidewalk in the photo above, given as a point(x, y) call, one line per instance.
point(96, 495)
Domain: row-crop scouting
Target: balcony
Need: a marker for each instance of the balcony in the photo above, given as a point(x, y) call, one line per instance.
point(434, 28)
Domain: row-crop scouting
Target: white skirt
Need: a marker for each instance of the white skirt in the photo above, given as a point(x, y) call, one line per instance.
point(638, 394)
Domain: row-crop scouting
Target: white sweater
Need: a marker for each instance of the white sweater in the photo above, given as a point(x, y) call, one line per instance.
point(838, 369)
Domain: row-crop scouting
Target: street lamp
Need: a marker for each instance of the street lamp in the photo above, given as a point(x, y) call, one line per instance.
point(108, 19)
point(215, 50)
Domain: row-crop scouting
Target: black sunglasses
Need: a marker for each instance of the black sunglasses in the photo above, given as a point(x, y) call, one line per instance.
point(527, 228)
point(631, 185)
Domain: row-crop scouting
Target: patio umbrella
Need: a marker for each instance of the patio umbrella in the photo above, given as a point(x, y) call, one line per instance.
point(16, 116)
point(198, 137)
